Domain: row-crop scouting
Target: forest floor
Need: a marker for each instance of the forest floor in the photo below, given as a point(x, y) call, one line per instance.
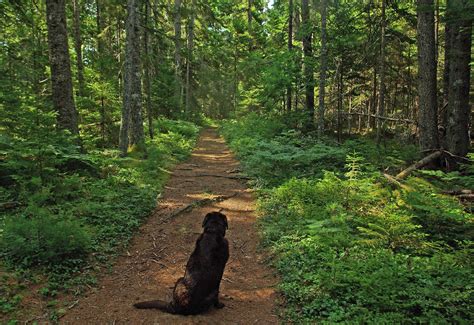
point(157, 256)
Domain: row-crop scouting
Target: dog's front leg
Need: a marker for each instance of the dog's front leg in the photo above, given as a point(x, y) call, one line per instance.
point(215, 300)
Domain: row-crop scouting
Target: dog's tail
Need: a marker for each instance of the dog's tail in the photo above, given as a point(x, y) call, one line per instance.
point(155, 304)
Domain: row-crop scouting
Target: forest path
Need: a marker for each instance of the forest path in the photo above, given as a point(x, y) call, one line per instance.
point(157, 255)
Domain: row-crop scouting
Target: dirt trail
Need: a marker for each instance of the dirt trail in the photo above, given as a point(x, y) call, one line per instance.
point(158, 254)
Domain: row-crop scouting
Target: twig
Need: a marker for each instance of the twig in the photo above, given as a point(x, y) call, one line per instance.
point(449, 154)
point(9, 205)
point(197, 203)
point(381, 117)
point(73, 304)
point(158, 262)
point(222, 176)
point(233, 171)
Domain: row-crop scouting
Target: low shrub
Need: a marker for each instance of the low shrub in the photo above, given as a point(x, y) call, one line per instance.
point(350, 247)
point(72, 211)
point(44, 239)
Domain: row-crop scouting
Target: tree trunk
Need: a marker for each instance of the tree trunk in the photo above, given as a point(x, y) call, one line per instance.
point(236, 81)
point(78, 45)
point(428, 106)
point(340, 98)
point(447, 50)
point(458, 109)
point(177, 53)
point(61, 80)
point(381, 100)
point(249, 23)
point(290, 51)
point(131, 129)
point(98, 58)
point(323, 68)
point(146, 68)
point(37, 55)
point(308, 62)
point(190, 37)
point(99, 25)
point(371, 122)
point(297, 34)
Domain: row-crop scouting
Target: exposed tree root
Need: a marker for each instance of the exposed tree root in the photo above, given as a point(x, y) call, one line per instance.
point(199, 203)
point(223, 176)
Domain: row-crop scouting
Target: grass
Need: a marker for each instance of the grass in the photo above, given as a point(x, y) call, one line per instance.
point(75, 211)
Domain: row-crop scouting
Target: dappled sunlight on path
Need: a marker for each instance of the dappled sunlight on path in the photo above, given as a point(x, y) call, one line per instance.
point(158, 254)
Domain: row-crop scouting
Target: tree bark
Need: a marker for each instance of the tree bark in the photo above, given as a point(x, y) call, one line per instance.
point(290, 51)
point(299, 61)
point(78, 45)
point(381, 99)
point(61, 80)
point(340, 98)
point(177, 53)
point(447, 50)
point(99, 60)
point(308, 62)
point(190, 37)
point(323, 68)
point(428, 105)
point(458, 109)
point(146, 68)
point(131, 129)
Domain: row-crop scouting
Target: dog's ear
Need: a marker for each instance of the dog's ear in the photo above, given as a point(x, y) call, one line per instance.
point(206, 218)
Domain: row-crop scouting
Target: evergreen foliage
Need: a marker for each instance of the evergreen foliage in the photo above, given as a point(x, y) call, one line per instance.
point(73, 209)
point(350, 247)
point(351, 244)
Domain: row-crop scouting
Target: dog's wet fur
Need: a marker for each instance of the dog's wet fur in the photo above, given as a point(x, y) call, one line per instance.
point(198, 290)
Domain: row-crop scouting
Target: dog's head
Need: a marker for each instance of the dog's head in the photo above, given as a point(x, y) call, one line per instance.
point(215, 222)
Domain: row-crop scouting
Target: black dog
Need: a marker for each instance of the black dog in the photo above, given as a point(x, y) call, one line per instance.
point(199, 288)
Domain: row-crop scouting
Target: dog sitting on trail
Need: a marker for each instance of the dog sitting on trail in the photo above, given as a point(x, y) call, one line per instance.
point(198, 290)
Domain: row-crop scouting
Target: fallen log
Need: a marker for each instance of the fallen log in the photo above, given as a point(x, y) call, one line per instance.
point(9, 205)
point(385, 118)
point(392, 180)
point(466, 197)
point(423, 162)
point(458, 192)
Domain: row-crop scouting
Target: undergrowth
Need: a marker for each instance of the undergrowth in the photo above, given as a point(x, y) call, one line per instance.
point(349, 246)
point(69, 211)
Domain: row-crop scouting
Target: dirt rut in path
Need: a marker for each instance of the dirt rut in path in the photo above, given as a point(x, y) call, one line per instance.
point(158, 254)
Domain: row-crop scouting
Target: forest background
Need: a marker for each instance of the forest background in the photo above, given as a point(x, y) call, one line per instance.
point(325, 103)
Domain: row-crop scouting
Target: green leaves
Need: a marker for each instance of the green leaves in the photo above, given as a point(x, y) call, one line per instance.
point(348, 248)
point(43, 240)
point(73, 204)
